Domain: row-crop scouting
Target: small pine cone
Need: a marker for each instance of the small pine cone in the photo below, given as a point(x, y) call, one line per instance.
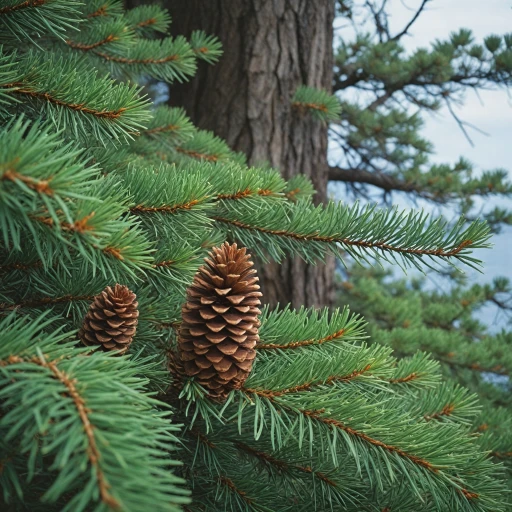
point(220, 322)
point(111, 320)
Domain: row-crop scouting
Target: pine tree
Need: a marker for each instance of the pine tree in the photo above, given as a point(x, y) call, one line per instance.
point(273, 48)
point(98, 188)
point(381, 147)
point(381, 153)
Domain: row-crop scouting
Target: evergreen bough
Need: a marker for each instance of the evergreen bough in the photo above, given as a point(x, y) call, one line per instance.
point(99, 187)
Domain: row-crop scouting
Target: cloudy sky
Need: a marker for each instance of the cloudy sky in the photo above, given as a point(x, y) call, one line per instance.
point(490, 111)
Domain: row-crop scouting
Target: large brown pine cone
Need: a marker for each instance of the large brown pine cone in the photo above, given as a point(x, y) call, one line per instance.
point(111, 320)
point(220, 323)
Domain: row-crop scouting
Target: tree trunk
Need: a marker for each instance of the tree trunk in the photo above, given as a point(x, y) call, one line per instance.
point(270, 48)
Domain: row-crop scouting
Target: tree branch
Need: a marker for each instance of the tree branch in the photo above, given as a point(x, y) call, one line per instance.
point(409, 25)
point(383, 181)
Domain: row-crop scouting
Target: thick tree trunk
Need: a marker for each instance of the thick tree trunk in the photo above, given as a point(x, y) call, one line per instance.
point(270, 48)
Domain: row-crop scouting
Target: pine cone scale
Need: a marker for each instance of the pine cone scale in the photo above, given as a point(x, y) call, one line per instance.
point(228, 347)
point(220, 309)
point(216, 337)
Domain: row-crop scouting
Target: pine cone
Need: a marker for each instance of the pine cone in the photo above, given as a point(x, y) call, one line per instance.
point(220, 323)
point(111, 320)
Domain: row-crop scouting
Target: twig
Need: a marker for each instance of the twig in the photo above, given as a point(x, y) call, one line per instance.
point(410, 24)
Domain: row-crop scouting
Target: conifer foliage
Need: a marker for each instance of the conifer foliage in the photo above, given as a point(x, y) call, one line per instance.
point(382, 152)
point(100, 188)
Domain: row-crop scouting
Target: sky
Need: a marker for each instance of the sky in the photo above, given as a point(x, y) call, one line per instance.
point(490, 111)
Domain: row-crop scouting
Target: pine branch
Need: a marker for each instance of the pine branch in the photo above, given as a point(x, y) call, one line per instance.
point(454, 349)
point(113, 35)
point(317, 420)
point(75, 392)
point(196, 187)
point(417, 372)
point(148, 20)
point(93, 453)
point(307, 394)
point(102, 9)
point(166, 59)
point(299, 188)
point(207, 48)
point(311, 232)
point(25, 20)
point(38, 171)
point(280, 328)
point(322, 105)
point(95, 229)
point(493, 427)
point(205, 146)
point(448, 402)
point(170, 125)
point(291, 478)
point(69, 92)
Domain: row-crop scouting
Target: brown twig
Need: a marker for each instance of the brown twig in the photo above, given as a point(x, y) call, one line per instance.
point(408, 378)
point(166, 208)
point(445, 411)
point(126, 60)
point(145, 23)
point(87, 47)
point(40, 186)
point(246, 193)
point(101, 11)
point(370, 440)
point(158, 129)
point(231, 485)
point(283, 465)
point(20, 88)
point(199, 156)
point(312, 106)
point(23, 5)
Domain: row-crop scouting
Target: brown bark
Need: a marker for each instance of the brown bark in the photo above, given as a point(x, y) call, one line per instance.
point(270, 48)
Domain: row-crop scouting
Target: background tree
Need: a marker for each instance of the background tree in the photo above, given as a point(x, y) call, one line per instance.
point(380, 154)
point(133, 378)
point(271, 49)
point(385, 91)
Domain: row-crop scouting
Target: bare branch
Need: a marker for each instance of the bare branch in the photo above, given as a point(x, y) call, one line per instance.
point(410, 24)
point(380, 19)
point(383, 181)
point(460, 123)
